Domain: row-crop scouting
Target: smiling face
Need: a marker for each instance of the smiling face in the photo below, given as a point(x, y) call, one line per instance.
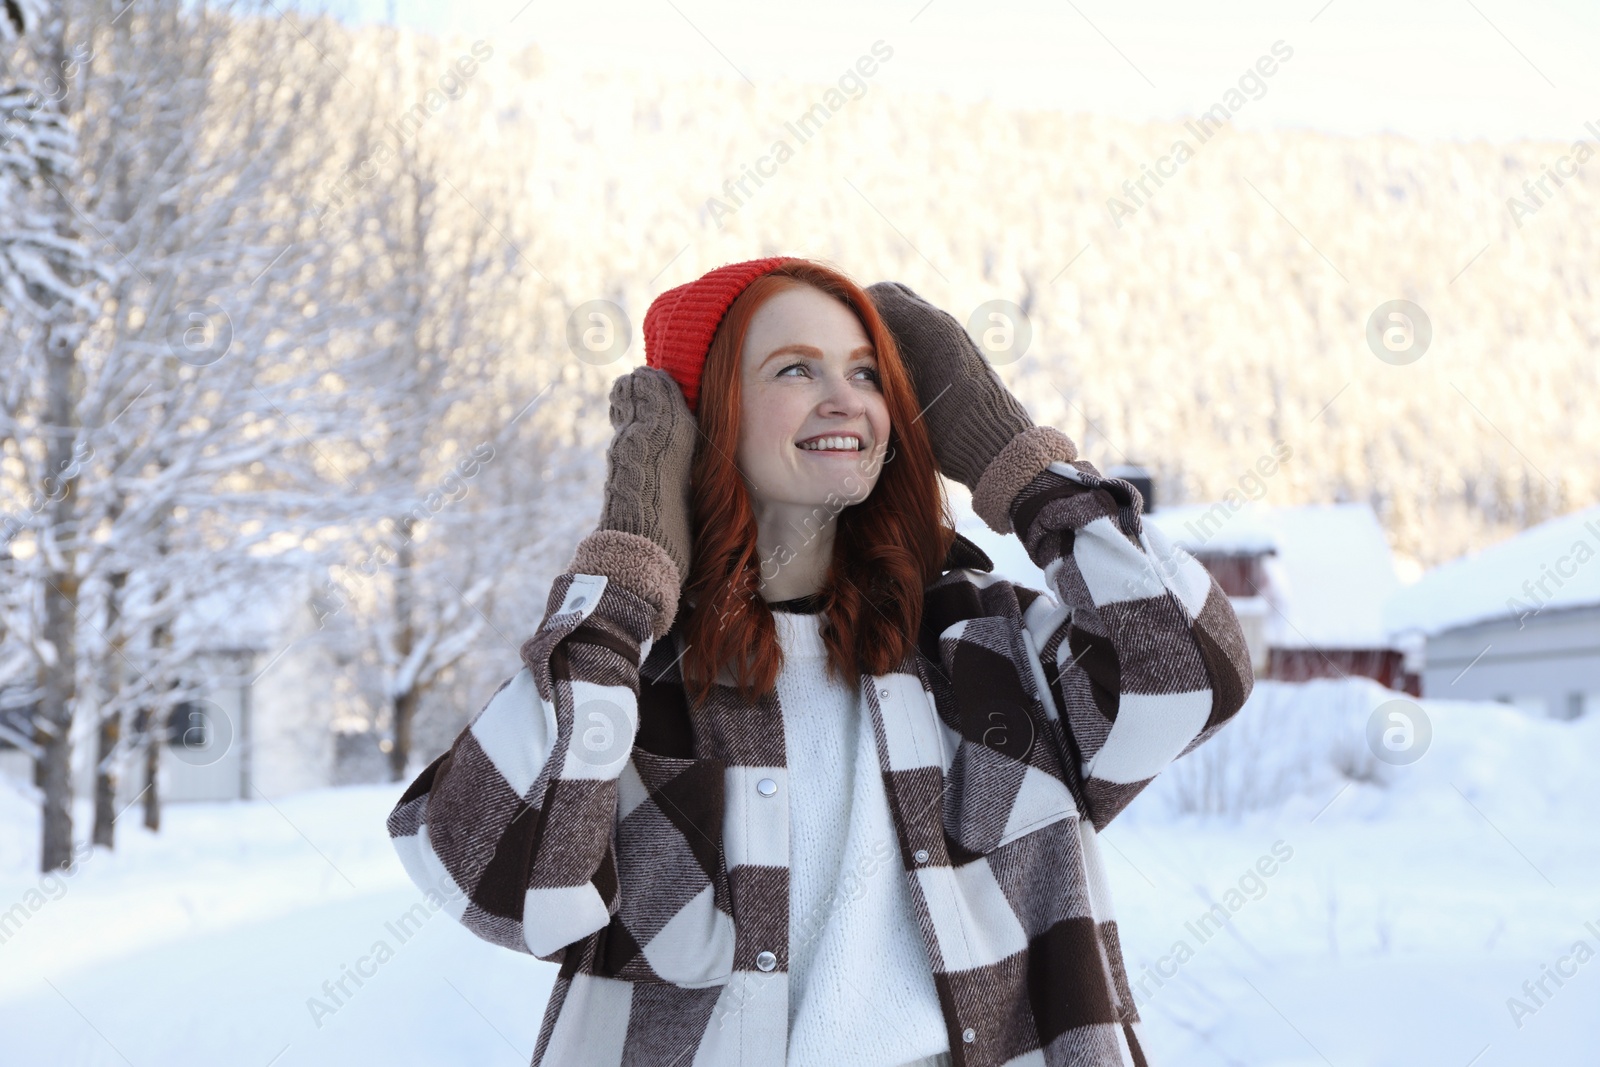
point(809, 375)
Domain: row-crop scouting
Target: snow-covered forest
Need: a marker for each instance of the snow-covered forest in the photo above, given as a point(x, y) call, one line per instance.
point(281, 293)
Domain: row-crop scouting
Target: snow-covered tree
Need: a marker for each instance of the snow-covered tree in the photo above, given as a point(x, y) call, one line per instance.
point(177, 408)
point(48, 294)
point(431, 529)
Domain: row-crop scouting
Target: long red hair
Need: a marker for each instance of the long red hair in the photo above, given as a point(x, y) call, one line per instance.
point(886, 549)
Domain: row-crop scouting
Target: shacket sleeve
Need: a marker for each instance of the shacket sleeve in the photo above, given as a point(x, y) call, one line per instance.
point(1139, 645)
point(510, 831)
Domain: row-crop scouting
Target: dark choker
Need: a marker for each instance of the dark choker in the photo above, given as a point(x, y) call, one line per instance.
point(809, 604)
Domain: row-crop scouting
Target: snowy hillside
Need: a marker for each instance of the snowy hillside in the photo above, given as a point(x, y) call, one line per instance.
point(1401, 913)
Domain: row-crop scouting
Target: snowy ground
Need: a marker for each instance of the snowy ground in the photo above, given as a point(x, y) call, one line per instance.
point(1410, 907)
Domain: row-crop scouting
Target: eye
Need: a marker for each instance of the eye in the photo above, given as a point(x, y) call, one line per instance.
point(872, 375)
point(791, 367)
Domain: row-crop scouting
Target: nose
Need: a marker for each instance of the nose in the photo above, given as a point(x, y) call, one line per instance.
point(841, 398)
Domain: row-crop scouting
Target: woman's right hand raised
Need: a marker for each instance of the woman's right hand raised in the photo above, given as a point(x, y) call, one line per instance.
point(471, 823)
point(649, 461)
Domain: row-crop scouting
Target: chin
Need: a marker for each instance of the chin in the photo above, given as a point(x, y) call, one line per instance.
point(851, 492)
point(823, 497)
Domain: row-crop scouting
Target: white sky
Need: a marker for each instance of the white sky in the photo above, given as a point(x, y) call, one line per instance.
point(1495, 69)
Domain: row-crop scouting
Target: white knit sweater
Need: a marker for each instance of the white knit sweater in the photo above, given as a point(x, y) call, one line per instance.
point(860, 985)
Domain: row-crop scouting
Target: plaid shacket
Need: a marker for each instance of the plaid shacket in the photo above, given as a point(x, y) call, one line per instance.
point(590, 817)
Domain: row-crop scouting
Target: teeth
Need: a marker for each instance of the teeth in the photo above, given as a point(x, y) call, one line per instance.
point(833, 442)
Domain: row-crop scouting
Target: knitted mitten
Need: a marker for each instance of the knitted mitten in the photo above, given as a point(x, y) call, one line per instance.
point(970, 413)
point(982, 435)
point(647, 465)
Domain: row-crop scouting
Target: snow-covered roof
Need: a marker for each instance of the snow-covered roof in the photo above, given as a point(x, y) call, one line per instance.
point(1330, 571)
point(1560, 553)
point(246, 614)
point(1250, 531)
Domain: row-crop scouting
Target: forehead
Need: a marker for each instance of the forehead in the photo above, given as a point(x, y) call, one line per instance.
point(806, 316)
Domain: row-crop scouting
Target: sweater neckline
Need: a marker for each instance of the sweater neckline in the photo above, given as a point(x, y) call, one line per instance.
point(800, 634)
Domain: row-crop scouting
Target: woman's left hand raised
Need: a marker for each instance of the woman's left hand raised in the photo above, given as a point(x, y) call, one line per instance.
point(972, 417)
point(970, 413)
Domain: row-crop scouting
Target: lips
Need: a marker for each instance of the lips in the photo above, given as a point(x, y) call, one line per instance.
point(845, 442)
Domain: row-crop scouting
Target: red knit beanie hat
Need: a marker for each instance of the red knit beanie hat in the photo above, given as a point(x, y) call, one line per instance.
point(680, 323)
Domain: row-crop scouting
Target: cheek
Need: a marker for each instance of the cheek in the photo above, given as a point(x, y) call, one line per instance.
point(880, 419)
point(752, 454)
point(762, 429)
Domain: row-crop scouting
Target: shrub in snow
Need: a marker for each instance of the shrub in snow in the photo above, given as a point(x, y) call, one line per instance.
point(1289, 738)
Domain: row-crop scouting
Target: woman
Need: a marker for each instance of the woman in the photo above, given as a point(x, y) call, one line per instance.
point(787, 775)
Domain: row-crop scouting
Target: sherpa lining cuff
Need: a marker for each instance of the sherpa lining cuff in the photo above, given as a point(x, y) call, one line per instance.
point(1017, 464)
point(638, 565)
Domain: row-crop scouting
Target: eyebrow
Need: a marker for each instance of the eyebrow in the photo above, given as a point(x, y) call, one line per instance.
point(862, 351)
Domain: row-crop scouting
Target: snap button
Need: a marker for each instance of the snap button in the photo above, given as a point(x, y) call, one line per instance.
point(767, 787)
point(883, 691)
point(766, 961)
point(969, 1035)
point(579, 602)
point(921, 854)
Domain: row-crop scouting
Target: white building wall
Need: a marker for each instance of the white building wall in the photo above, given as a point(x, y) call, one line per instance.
point(293, 737)
point(1548, 665)
point(210, 763)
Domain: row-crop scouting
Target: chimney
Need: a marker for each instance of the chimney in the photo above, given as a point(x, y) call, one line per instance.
point(1141, 478)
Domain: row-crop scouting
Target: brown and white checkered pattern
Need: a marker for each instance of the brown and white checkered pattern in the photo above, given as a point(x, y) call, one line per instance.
point(657, 873)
